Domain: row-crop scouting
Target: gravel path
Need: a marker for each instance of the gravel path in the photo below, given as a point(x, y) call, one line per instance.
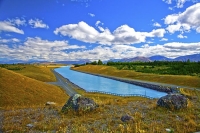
point(62, 82)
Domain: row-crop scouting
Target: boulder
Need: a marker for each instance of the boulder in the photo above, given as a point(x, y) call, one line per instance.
point(50, 103)
point(126, 118)
point(78, 102)
point(173, 101)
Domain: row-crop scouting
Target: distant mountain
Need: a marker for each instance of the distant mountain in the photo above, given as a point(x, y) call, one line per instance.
point(192, 58)
point(73, 62)
point(159, 58)
point(138, 58)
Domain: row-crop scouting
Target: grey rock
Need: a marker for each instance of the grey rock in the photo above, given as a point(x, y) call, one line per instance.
point(127, 118)
point(173, 101)
point(78, 102)
point(50, 103)
point(30, 125)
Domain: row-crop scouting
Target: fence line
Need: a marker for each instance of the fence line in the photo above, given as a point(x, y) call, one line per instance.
point(122, 95)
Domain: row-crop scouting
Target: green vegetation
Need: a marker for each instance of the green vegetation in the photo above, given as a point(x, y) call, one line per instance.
point(160, 67)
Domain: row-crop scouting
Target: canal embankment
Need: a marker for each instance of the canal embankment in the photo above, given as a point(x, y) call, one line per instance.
point(151, 85)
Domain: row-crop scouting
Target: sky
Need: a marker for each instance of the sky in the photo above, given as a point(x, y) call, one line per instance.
point(67, 30)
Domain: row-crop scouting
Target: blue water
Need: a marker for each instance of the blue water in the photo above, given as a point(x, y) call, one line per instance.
point(91, 82)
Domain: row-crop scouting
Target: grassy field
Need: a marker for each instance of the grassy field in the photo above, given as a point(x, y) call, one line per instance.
point(41, 72)
point(21, 91)
point(190, 81)
point(23, 102)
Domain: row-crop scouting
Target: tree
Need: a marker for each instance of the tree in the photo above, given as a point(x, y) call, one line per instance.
point(100, 62)
point(94, 63)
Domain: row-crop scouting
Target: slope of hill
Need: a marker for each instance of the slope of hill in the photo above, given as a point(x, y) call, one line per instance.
point(17, 90)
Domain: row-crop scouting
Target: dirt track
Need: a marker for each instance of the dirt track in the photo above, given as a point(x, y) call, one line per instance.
point(62, 82)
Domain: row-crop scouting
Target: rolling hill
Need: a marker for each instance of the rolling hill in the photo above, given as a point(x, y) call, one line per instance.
point(20, 91)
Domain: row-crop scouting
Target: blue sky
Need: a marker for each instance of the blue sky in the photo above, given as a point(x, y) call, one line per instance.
point(57, 30)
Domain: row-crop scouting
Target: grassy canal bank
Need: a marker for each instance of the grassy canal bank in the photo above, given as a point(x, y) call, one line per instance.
point(179, 80)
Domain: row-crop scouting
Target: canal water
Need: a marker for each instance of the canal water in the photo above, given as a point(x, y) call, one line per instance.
point(96, 83)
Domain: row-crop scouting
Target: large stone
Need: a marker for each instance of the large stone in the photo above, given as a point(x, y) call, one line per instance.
point(78, 102)
point(173, 101)
point(127, 118)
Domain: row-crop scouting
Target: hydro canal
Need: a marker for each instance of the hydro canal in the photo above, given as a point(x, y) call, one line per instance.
point(93, 83)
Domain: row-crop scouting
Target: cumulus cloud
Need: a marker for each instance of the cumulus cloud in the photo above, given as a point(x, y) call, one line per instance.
point(7, 26)
point(36, 48)
point(39, 49)
point(12, 40)
point(185, 21)
point(122, 35)
point(198, 29)
point(36, 23)
point(183, 47)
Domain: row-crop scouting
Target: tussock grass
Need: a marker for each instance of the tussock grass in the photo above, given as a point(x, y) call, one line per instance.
point(190, 81)
point(19, 91)
point(148, 118)
point(38, 72)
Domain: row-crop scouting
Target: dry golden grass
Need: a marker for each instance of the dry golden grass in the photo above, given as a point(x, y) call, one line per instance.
point(17, 90)
point(190, 81)
point(38, 72)
point(148, 118)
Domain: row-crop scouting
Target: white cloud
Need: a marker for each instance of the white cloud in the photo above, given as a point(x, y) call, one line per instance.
point(191, 15)
point(181, 36)
point(18, 22)
point(173, 28)
point(156, 24)
point(13, 40)
point(92, 15)
point(171, 19)
point(36, 48)
point(99, 27)
point(198, 29)
point(170, 8)
point(164, 39)
point(190, 48)
point(168, 1)
point(179, 3)
point(157, 33)
point(38, 24)
point(122, 35)
point(185, 21)
point(6, 26)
